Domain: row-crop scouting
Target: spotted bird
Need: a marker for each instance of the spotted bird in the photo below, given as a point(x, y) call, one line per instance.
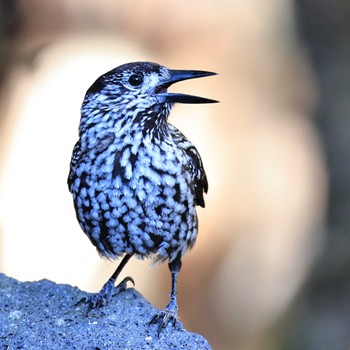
point(135, 178)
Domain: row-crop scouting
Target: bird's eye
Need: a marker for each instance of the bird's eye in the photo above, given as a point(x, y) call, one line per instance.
point(135, 79)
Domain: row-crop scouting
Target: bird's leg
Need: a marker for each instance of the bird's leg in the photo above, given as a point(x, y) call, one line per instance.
point(170, 311)
point(108, 290)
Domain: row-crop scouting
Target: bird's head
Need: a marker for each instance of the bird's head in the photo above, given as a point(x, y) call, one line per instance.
point(139, 88)
point(145, 83)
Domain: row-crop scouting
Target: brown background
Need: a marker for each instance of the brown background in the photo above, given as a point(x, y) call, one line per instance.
point(271, 264)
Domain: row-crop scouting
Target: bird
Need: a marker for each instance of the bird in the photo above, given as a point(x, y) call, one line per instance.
point(135, 178)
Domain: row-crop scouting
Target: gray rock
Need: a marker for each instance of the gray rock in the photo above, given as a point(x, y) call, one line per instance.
point(42, 315)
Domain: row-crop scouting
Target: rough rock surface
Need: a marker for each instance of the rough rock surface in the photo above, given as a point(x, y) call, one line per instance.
point(42, 315)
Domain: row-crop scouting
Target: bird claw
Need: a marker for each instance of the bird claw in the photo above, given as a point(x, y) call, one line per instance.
point(164, 317)
point(97, 300)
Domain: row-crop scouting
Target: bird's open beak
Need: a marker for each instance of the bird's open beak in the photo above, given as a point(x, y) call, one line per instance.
point(179, 75)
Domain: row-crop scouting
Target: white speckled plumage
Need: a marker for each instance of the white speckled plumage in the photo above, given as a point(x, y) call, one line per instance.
point(149, 201)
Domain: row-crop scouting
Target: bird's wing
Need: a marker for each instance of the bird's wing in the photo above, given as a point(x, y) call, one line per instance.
point(73, 163)
point(195, 165)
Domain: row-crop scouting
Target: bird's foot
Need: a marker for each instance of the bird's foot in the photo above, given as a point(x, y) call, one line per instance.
point(169, 314)
point(97, 300)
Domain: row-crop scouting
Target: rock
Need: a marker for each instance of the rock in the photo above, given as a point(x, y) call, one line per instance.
point(42, 315)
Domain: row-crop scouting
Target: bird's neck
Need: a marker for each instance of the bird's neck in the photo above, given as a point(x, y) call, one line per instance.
point(96, 124)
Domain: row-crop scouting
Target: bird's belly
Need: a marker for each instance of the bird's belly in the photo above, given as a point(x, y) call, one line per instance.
point(152, 212)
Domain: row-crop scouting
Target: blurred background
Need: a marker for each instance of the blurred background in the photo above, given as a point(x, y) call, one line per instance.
point(271, 267)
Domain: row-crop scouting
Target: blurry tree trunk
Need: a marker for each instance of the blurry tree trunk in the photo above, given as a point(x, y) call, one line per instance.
point(322, 319)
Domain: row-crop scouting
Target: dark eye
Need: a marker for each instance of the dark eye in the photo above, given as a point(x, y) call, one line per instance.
point(135, 80)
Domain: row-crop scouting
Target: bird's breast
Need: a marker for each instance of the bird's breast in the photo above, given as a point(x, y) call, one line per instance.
point(140, 163)
point(149, 164)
